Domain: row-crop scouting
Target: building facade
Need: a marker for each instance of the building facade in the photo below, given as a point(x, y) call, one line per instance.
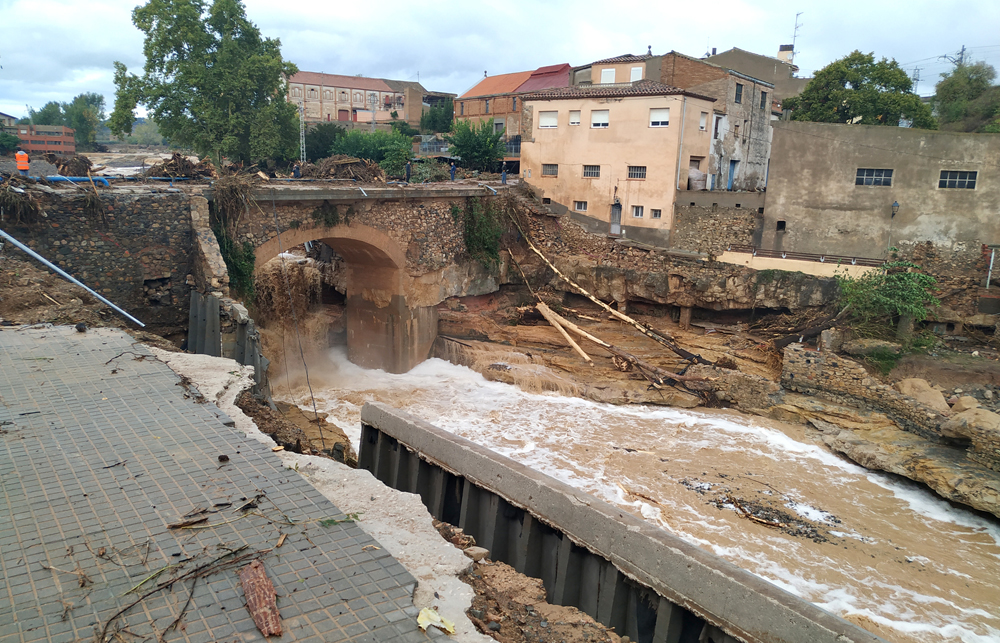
point(7, 120)
point(613, 156)
point(740, 123)
point(38, 139)
point(779, 71)
point(833, 187)
point(346, 99)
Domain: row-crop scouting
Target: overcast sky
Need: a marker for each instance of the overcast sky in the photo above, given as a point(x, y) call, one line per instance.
point(56, 49)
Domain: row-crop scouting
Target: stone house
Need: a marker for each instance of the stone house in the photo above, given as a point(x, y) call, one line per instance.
point(740, 123)
point(779, 71)
point(613, 155)
point(349, 99)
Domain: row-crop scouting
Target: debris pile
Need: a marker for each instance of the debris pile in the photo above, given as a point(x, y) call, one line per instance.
point(75, 165)
point(180, 166)
point(345, 167)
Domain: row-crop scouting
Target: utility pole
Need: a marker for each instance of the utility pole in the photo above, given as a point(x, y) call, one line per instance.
point(373, 101)
point(958, 60)
point(916, 79)
point(795, 35)
point(302, 135)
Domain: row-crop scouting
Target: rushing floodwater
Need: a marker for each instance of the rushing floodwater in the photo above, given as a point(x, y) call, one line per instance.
point(885, 553)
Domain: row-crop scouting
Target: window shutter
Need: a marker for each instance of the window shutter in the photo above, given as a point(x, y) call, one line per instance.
point(636, 74)
point(607, 76)
point(599, 118)
point(659, 117)
point(548, 119)
point(574, 117)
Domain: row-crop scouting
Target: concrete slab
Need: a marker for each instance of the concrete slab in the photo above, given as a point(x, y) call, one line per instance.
point(101, 447)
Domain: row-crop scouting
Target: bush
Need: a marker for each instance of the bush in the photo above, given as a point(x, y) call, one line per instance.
point(8, 142)
point(879, 296)
point(391, 150)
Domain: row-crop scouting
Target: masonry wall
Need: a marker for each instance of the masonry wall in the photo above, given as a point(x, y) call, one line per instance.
point(137, 252)
point(505, 108)
point(711, 231)
point(842, 380)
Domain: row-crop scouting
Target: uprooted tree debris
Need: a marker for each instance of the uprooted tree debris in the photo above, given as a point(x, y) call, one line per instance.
point(180, 166)
point(345, 167)
point(75, 165)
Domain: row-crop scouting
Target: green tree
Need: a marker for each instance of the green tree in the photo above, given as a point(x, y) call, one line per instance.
point(401, 126)
point(878, 296)
point(50, 114)
point(211, 81)
point(146, 132)
point(857, 89)
point(479, 147)
point(8, 142)
point(320, 139)
point(391, 150)
point(966, 100)
point(84, 114)
point(438, 119)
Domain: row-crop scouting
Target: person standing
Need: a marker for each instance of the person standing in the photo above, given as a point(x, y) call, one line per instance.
point(408, 169)
point(453, 170)
point(23, 162)
point(296, 171)
point(503, 174)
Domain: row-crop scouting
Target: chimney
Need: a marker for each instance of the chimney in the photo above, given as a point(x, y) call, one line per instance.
point(785, 53)
point(713, 51)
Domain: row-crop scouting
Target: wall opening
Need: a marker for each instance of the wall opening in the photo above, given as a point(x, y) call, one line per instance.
point(780, 227)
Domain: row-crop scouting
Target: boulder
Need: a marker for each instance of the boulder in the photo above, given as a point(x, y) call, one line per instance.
point(967, 423)
point(924, 393)
point(863, 347)
point(831, 340)
point(964, 404)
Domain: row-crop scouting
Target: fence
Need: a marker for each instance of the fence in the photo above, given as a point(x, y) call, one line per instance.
point(806, 256)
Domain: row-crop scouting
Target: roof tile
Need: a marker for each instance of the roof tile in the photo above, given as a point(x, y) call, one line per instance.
point(638, 88)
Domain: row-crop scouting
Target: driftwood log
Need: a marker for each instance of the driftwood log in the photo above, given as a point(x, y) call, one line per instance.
point(551, 318)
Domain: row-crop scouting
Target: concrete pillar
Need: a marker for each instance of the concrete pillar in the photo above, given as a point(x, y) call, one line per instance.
point(394, 338)
point(685, 322)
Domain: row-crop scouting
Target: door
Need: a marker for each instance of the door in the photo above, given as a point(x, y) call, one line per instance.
point(343, 115)
point(732, 173)
point(616, 218)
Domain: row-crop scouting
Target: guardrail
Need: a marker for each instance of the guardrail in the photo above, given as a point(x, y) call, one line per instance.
point(645, 582)
point(807, 256)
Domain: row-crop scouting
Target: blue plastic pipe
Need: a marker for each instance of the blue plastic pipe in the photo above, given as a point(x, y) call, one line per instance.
point(79, 179)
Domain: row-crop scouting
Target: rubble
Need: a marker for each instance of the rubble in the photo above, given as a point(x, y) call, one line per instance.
point(180, 166)
point(345, 167)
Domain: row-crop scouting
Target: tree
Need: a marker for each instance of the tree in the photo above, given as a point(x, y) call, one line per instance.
point(857, 89)
point(8, 142)
point(50, 114)
point(145, 132)
point(966, 100)
point(84, 114)
point(478, 145)
point(438, 119)
point(320, 138)
point(401, 126)
point(210, 81)
point(875, 298)
point(391, 150)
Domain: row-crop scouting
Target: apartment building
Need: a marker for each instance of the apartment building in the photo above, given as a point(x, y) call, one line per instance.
point(38, 139)
point(613, 155)
point(347, 99)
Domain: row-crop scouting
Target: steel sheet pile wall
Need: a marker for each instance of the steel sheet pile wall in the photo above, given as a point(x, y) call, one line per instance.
point(641, 580)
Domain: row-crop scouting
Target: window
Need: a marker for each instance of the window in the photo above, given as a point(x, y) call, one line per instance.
point(513, 104)
point(739, 93)
point(779, 226)
point(656, 214)
point(659, 117)
point(498, 127)
point(550, 169)
point(718, 121)
point(873, 177)
point(637, 211)
point(607, 76)
point(574, 117)
point(636, 74)
point(637, 171)
point(599, 118)
point(580, 206)
point(591, 171)
point(548, 119)
point(461, 109)
point(962, 180)
point(703, 121)
point(763, 100)
point(487, 105)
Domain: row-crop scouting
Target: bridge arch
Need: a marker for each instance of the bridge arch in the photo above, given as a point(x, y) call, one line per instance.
point(358, 244)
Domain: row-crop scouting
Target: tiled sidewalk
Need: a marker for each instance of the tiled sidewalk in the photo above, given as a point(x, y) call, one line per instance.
point(101, 447)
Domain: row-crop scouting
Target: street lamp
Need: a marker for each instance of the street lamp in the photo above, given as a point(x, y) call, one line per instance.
point(895, 209)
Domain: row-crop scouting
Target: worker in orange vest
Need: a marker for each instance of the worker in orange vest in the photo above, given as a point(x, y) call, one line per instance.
point(23, 162)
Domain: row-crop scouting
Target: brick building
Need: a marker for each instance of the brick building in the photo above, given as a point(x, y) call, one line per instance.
point(38, 139)
point(779, 71)
point(347, 99)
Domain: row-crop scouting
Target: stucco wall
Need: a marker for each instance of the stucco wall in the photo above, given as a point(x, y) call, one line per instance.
point(628, 140)
point(812, 189)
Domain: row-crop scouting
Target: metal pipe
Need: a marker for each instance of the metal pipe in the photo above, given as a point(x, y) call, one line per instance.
point(362, 190)
point(63, 273)
point(989, 276)
point(79, 179)
point(488, 188)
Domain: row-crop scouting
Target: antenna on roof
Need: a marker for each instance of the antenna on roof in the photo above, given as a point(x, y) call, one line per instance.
point(485, 75)
point(650, 51)
point(795, 34)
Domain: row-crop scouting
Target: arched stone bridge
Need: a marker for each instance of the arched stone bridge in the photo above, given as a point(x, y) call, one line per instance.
point(403, 249)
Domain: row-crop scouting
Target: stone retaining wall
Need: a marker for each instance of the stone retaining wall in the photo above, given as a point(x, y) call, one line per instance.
point(710, 230)
point(845, 381)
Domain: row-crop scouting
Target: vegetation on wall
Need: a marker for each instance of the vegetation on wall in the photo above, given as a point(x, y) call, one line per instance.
point(240, 261)
point(482, 231)
point(857, 89)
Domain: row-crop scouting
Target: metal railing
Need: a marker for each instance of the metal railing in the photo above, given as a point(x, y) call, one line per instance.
point(513, 144)
point(433, 147)
point(806, 256)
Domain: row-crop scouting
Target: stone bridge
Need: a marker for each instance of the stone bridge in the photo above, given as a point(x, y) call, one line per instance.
point(403, 250)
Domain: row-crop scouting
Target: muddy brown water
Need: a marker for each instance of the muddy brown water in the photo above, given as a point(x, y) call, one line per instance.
point(877, 550)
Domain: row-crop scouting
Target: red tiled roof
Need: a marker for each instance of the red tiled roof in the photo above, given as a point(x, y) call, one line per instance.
point(546, 78)
point(638, 88)
point(499, 84)
point(336, 80)
point(624, 58)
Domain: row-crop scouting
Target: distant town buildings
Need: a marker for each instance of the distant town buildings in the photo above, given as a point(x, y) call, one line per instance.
point(614, 155)
point(7, 119)
point(38, 139)
point(348, 99)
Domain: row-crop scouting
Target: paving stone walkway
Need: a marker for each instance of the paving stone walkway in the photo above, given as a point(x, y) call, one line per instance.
point(101, 448)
